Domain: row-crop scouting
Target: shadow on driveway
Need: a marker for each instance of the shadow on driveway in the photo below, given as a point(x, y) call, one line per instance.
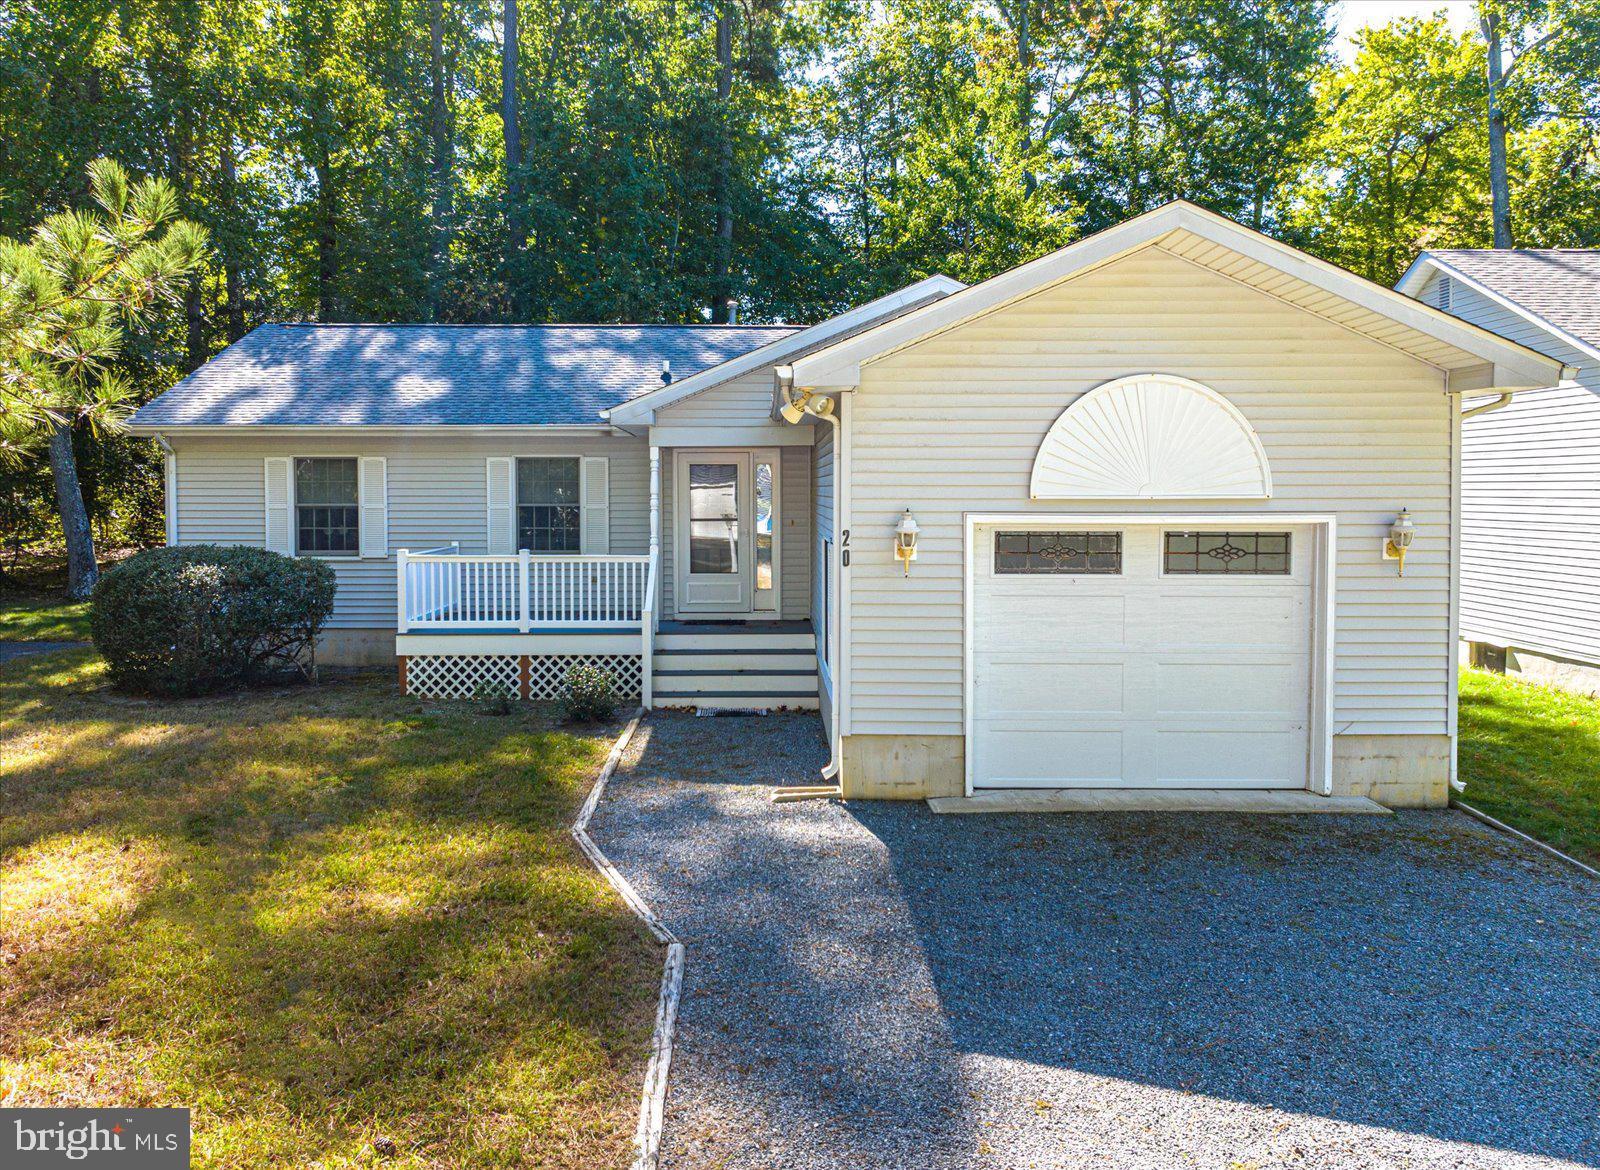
point(872, 985)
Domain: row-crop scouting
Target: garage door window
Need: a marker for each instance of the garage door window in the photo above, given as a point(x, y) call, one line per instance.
point(1232, 553)
point(1057, 552)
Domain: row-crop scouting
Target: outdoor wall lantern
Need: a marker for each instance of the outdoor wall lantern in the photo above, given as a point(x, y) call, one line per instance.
point(905, 541)
point(1401, 533)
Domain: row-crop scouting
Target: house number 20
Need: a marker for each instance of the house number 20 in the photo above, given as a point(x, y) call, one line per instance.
point(844, 549)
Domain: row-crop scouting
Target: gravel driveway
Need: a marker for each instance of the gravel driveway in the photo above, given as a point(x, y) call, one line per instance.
point(11, 650)
point(872, 986)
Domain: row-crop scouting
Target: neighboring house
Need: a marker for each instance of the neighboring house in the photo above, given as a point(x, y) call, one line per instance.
point(1530, 472)
point(1153, 475)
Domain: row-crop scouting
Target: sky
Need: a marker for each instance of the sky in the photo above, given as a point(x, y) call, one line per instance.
point(1355, 15)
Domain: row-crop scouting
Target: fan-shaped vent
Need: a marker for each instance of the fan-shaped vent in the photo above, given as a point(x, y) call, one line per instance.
point(1151, 437)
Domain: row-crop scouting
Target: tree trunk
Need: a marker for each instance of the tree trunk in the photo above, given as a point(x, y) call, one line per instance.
point(1499, 188)
point(230, 250)
point(1030, 181)
point(194, 312)
point(327, 243)
point(722, 263)
point(511, 127)
point(82, 571)
point(443, 162)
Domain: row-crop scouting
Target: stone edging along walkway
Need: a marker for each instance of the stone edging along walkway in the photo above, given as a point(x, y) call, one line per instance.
point(652, 1104)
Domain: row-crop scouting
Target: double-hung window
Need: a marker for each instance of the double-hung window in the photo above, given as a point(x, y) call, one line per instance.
point(548, 505)
point(327, 507)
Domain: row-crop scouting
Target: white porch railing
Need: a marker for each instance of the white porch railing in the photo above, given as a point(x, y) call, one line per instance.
point(441, 589)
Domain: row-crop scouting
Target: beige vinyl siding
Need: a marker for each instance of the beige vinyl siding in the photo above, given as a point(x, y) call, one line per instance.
point(436, 495)
point(794, 496)
point(743, 402)
point(822, 478)
point(1530, 501)
point(951, 425)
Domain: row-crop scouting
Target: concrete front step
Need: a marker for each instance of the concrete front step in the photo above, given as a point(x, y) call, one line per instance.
point(1184, 800)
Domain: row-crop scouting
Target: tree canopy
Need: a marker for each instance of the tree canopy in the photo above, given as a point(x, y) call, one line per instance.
point(683, 160)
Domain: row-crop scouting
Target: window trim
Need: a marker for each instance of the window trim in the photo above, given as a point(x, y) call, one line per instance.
point(294, 509)
point(994, 558)
point(1288, 573)
point(774, 602)
point(516, 504)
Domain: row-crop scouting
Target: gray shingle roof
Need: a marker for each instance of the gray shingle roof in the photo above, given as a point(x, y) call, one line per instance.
point(1562, 285)
point(433, 375)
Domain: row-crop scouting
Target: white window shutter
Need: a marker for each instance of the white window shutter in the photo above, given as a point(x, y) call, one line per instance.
point(502, 507)
point(280, 506)
point(373, 478)
point(594, 519)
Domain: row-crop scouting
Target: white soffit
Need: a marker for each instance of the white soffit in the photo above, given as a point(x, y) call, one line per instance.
point(1151, 437)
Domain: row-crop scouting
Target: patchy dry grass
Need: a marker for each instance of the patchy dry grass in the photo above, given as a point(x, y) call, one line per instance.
point(318, 917)
point(1530, 756)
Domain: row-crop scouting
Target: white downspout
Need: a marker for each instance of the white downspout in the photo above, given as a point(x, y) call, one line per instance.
point(830, 770)
point(1485, 408)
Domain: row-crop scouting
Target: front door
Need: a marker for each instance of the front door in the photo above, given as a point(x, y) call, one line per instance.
point(713, 497)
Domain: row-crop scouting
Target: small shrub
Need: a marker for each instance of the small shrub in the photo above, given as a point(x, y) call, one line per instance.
point(498, 696)
point(591, 696)
point(205, 617)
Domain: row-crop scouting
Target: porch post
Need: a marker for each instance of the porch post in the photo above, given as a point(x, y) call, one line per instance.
point(524, 613)
point(655, 532)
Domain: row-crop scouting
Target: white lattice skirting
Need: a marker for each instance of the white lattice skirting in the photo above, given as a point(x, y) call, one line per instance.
point(490, 676)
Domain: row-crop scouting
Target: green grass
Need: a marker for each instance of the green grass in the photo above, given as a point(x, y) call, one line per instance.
point(1530, 756)
point(319, 917)
point(42, 617)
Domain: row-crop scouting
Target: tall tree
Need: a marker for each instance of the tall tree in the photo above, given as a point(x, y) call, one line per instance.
point(1398, 162)
point(66, 297)
point(443, 157)
point(511, 131)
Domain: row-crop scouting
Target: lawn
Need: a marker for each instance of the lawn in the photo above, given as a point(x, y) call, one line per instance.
point(344, 926)
point(42, 617)
point(1530, 756)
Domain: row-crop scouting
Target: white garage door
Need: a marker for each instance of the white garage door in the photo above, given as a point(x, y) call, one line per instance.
point(1141, 656)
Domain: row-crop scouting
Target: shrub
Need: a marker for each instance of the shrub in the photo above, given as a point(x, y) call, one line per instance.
point(204, 617)
point(591, 698)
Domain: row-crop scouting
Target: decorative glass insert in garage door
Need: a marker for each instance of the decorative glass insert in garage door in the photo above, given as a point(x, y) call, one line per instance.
point(1057, 552)
point(1227, 553)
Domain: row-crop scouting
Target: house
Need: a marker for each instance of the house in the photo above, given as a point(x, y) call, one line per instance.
point(1174, 506)
point(1530, 469)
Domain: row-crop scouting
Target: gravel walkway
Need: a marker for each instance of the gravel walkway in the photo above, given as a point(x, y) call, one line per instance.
point(875, 987)
point(10, 650)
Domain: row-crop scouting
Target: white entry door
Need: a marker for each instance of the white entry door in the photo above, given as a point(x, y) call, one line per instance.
point(713, 502)
point(1142, 656)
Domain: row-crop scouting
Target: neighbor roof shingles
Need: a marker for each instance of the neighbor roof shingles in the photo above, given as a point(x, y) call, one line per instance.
point(450, 375)
point(1561, 285)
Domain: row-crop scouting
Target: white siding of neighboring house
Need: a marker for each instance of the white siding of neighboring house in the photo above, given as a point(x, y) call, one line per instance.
point(1530, 501)
point(436, 493)
point(951, 425)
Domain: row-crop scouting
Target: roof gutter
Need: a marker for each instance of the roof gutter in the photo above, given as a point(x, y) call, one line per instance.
point(152, 430)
